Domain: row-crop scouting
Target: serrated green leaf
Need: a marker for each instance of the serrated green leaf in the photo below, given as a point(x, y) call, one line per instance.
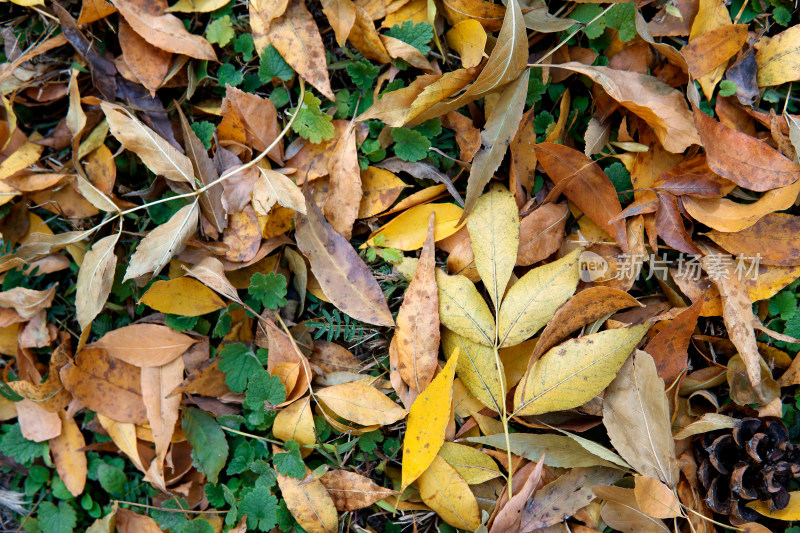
point(261, 508)
point(311, 123)
point(410, 145)
point(220, 31)
point(290, 463)
point(269, 289)
point(61, 519)
point(239, 364)
point(418, 35)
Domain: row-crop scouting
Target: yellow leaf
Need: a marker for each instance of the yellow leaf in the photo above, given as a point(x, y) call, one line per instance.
point(471, 464)
point(532, 301)
point(446, 492)
point(296, 423)
point(124, 436)
point(310, 504)
point(463, 310)
point(427, 422)
point(778, 58)
point(408, 230)
point(576, 371)
point(790, 512)
point(360, 403)
point(477, 369)
point(196, 6)
point(468, 38)
point(711, 14)
point(494, 232)
point(182, 296)
point(381, 188)
point(273, 187)
point(68, 455)
point(25, 156)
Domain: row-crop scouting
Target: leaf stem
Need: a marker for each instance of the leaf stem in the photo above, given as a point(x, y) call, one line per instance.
point(504, 418)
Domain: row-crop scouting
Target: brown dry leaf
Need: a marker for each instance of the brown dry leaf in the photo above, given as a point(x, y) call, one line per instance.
point(50, 395)
point(541, 233)
point(94, 10)
point(742, 159)
point(344, 191)
point(106, 385)
point(656, 499)
point(508, 519)
point(295, 35)
point(243, 236)
point(351, 491)
point(669, 225)
point(726, 215)
point(162, 412)
point(27, 302)
point(310, 504)
point(417, 334)
point(212, 273)
point(488, 14)
point(714, 48)
point(737, 312)
point(68, 457)
point(129, 522)
point(361, 403)
point(621, 512)
point(150, 64)
point(343, 276)
point(259, 119)
point(583, 308)
point(366, 39)
point(774, 238)
point(273, 187)
point(341, 16)
point(207, 380)
point(145, 345)
point(586, 185)
point(669, 346)
point(564, 496)
point(166, 32)
point(661, 107)
point(636, 416)
point(35, 423)
point(693, 177)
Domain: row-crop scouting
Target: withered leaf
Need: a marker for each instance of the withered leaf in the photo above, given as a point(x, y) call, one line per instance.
point(350, 491)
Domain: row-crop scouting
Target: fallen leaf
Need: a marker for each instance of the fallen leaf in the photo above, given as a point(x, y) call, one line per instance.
point(162, 412)
point(564, 496)
point(446, 492)
point(778, 58)
point(574, 372)
point(258, 117)
point(160, 245)
point(586, 185)
point(468, 38)
point(714, 48)
point(541, 233)
point(344, 190)
point(242, 236)
point(510, 513)
point(621, 511)
point(129, 522)
point(428, 419)
point(788, 513)
point(166, 32)
point(350, 491)
point(124, 436)
point(463, 310)
point(68, 456)
point(408, 230)
point(295, 35)
point(343, 276)
point(295, 422)
point(27, 302)
point(149, 63)
point(557, 451)
point(669, 348)
point(273, 187)
point(182, 296)
point(477, 368)
point(471, 464)
point(310, 504)
point(417, 334)
point(636, 416)
point(144, 345)
point(360, 403)
point(50, 395)
point(772, 238)
point(35, 423)
point(742, 159)
point(663, 108)
point(533, 300)
point(656, 499)
point(380, 190)
point(106, 385)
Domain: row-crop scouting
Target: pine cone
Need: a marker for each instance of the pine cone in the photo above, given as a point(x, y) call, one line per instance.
point(753, 461)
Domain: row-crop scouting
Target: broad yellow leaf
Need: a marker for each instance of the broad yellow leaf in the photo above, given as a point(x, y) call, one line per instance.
point(427, 422)
point(310, 504)
point(22, 158)
point(124, 436)
point(576, 371)
point(68, 456)
point(532, 301)
point(779, 58)
point(468, 38)
point(360, 403)
point(296, 422)
point(196, 6)
point(408, 230)
point(656, 499)
point(273, 187)
point(380, 189)
point(463, 310)
point(790, 512)
point(145, 345)
point(446, 492)
point(182, 296)
point(95, 279)
point(477, 369)
point(470, 463)
point(493, 229)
